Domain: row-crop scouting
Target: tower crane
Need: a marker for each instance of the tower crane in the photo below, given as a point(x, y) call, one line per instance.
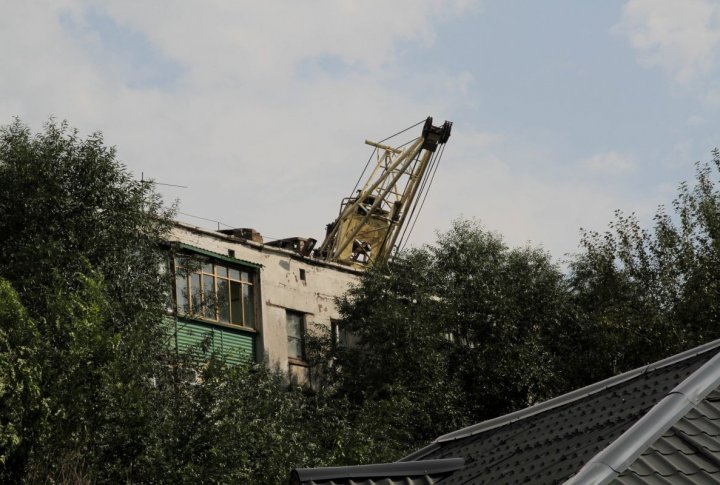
point(369, 222)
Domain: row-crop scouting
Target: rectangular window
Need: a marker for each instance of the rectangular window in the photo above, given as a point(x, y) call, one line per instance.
point(200, 339)
point(340, 335)
point(295, 334)
point(182, 295)
point(215, 292)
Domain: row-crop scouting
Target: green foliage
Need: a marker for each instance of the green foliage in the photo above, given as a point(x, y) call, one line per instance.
point(90, 391)
point(651, 293)
point(501, 306)
point(396, 378)
point(240, 424)
point(66, 203)
point(81, 245)
point(446, 336)
point(21, 405)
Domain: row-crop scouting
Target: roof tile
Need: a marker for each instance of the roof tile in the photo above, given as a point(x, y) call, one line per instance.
point(551, 446)
point(689, 452)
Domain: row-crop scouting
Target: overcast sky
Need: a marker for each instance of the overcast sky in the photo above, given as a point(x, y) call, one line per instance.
point(564, 111)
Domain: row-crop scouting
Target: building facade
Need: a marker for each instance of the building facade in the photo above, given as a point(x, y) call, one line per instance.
point(248, 300)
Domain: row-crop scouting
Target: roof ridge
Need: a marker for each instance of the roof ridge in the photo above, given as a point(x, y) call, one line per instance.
point(621, 453)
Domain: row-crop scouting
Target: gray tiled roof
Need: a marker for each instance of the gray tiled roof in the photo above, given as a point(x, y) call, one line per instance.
point(689, 452)
point(659, 424)
point(551, 446)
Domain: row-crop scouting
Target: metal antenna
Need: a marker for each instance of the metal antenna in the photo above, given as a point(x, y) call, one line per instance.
point(143, 181)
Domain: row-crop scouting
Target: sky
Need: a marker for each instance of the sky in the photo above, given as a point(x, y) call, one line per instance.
point(563, 111)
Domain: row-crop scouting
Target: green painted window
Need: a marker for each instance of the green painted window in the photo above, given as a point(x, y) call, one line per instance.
point(202, 340)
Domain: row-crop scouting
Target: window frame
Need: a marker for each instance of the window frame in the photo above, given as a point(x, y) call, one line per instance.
point(219, 270)
point(302, 316)
point(339, 334)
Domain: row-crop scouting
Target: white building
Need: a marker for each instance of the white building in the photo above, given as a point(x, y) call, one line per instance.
point(249, 300)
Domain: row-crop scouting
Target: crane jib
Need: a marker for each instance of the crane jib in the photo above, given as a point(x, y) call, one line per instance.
point(369, 221)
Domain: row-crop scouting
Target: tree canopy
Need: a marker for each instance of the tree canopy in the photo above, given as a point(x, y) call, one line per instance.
point(468, 329)
point(650, 292)
point(448, 335)
point(443, 336)
point(81, 261)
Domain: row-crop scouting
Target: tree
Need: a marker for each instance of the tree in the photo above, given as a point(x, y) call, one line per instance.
point(504, 307)
point(81, 245)
point(397, 376)
point(446, 336)
point(646, 293)
point(21, 406)
point(90, 389)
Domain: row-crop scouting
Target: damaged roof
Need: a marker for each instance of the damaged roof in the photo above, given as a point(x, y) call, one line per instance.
point(658, 424)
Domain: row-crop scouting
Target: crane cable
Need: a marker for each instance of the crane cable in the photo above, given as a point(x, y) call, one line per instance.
point(414, 211)
point(436, 164)
point(375, 150)
point(424, 189)
point(418, 205)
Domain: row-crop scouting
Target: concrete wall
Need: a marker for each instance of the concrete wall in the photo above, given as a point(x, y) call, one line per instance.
point(281, 288)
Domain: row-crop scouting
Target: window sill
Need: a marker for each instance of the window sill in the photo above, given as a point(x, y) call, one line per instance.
point(297, 362)
point(217, 324)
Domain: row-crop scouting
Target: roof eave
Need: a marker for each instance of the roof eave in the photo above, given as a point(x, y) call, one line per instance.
point(398, 469)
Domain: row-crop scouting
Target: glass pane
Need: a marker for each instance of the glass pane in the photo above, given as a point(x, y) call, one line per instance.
point(234, 274)
point(210, 301)
point(248, 306)
point(223, 300)
point(344, 338)
point(207, 268)
point(235, 303)
point(246, 276)
point(195, 292)
point(181, 294)
point(294, 325)
point(295, 348)
point(221, 270)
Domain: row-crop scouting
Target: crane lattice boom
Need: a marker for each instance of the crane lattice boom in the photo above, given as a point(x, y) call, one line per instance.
point(369, 222)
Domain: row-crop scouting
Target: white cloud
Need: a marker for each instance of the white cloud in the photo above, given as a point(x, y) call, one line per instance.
point(460, 83)
point(682, 38)
point(712, 97)
point(697, 120)
point(485, 177)
point(268, 39)
point(262, 143)
point(257, 144)
point(611, 163)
